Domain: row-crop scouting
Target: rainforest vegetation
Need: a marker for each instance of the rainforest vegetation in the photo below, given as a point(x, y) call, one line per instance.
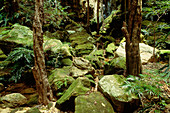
point(84, 56)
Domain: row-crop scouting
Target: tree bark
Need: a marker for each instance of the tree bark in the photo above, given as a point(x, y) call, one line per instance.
point(88, 16)
point(98, 1)
point(132, 35)
point(39, 71)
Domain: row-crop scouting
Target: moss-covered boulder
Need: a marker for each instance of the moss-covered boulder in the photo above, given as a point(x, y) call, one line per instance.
point(20, 35)
point(116, 65)
point(110, 86)
point(79, 87)
point(16, 36)
point(81, 41)
point(81, 67)
point(13, 100)
point(94, 102)
point(60, 79)
point(59, 35)
point(96, 57)
point(66, 62)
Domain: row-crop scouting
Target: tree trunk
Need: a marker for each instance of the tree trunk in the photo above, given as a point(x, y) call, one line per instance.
point(132, 35)
point(39, 71)
point(98, 1)
point(88, 16)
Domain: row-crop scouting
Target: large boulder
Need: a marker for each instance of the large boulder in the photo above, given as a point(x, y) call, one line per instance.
point(22, 36)
point(110, 86)
point(56, 46)
point(94, 102)
point(146, 52)
point(96, 57)
point(79, 87)
point(13, 100)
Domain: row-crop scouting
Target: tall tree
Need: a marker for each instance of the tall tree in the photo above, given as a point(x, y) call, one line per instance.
point(39, 71)
point(132, 35)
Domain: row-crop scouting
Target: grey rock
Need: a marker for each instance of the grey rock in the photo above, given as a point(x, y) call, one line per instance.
point(81, 67)
point(92, 103)
point(146, 52)
point(13, 100)
point(110, 86)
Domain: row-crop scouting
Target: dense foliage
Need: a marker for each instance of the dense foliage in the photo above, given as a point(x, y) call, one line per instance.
point(157, 26)
point(151, 89)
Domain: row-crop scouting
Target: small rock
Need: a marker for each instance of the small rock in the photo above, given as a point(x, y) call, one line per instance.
point(81, 67)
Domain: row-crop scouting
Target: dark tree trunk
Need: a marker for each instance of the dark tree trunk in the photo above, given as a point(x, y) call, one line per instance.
point(98, 1)
point(132, 35)
point(39, 71)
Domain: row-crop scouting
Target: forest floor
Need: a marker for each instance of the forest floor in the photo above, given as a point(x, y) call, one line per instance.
point(28, 89)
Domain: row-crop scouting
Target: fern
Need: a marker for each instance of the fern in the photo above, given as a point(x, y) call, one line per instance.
point(91, 78)
point(147, 87)
point(19, 60)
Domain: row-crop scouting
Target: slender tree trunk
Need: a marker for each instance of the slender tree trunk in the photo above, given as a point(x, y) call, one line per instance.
point(39, 71)
point(132, 35)
point(88, 16)
point(98, 1)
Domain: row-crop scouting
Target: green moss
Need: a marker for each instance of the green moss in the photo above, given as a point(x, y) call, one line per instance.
point(79, 87)
point(66, 62)
point(84, 46)
point(1, 52)
point(3, 56)
point(165, 51)
point(33, 100)
point(111, 48)
point(21, 35)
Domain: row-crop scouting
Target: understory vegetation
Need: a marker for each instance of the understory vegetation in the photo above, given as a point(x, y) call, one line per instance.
point(61, 22)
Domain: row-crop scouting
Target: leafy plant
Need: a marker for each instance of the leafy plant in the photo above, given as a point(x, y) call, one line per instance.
point(166, 69)
point(149, 88)
point(91, 78)
point(55, 14)
point(19, 60)
point(154, 11)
